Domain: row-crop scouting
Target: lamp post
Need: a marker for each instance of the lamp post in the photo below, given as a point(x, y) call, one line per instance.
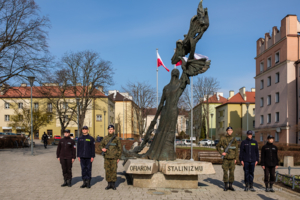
point(123, 117)
point(77, 102)
point(104, 121)
point(192, 128)
point(247, 104)
point(31, 80)
point(212, 114)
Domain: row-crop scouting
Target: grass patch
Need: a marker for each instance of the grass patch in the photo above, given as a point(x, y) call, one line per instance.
point(198, 148)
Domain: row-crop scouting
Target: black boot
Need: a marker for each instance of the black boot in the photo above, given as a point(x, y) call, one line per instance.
point(252, 188)
point(69, 183)
point(113, 185)
point(88, 183)
point(84, 184)
point(225, 186)
point(108, 186)
point(230, 187)
point(271, 188)
point(246, 187)
point(267, 189)
point(65, 183)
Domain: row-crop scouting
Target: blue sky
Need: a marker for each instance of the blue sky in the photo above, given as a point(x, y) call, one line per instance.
point(127, 33)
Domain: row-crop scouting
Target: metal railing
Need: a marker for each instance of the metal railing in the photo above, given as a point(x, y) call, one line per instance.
point(294, 179)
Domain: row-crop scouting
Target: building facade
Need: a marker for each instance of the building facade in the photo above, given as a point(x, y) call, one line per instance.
point(275, 82)
point(238, 112)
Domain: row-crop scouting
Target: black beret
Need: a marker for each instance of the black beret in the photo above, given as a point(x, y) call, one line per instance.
point(270, 136)
point(229, 127)
point(67, 131)
point(85, 127)
point(111, 126)
point(249, 133)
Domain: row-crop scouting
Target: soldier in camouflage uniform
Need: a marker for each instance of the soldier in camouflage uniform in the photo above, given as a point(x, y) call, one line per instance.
point(111, 157)
point(230, 158)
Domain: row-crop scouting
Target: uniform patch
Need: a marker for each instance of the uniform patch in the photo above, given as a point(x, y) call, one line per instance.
point(253, 144)
point(232, 147)
point(273, 148)
point(113, 144)
point(69, 142)
point(88, 140)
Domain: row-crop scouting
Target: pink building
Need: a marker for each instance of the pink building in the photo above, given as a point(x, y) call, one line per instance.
point(275, 82)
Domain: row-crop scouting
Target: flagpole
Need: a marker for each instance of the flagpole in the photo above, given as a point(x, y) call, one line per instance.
point(192, 99)
point(156, 81)
point(174, 64)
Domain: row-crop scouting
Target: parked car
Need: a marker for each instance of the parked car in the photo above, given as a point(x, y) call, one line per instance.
point(206, 142)
point(130, 139)
point(216, 142)
point(11, 134)
point(57, 137)
point(2, 133)
point(178, 141)
point(187, 142)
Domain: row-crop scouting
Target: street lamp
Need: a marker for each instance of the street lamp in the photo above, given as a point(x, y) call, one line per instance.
point(104, 122)
point(247, 104)
point(192, 128)
point(212, 114)
point(77, 102)
point(31, 80)
point(123, 116)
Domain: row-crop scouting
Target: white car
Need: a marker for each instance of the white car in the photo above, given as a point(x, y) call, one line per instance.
point(206, 142)
point(187, 142)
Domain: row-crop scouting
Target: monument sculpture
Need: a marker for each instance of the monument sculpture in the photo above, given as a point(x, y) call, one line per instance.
point(160, 168)
point(162, 146)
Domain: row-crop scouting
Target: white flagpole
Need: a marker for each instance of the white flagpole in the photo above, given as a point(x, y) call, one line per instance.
point(156, 80)
point(192, 128)
point(174, 64)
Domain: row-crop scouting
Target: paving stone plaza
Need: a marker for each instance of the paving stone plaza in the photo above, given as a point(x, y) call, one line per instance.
point(39, 177)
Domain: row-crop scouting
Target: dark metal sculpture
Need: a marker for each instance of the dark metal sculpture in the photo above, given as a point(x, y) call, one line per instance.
point(162, 146)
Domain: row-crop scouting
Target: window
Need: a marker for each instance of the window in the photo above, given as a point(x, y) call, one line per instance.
point(277, 97)
point(269, 63)
point(277, 77)
point(261, 137)
point(65, 105)
point(261, 102)
point(20, 117)
point(49, 118)
point(269, 81)
point(7, 105)
point(276, 137)
point(269, 119)
point(253, 111)
point(262, 84)
point(99, 118)
point(261, 66)
point(261, 119)
point(36, 106)
point(253, 123)
point(277, 57)
point(49, 107)
point(269, 100)
point(20, 105)
point(277, 117)
point(7, 118)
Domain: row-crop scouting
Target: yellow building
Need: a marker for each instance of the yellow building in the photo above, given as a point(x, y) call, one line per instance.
point(234, 113)
point(126, 114)
point(99, 115)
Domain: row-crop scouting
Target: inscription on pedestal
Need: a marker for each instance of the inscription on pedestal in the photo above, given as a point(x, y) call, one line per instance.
point(185, 168)
point(140, 168)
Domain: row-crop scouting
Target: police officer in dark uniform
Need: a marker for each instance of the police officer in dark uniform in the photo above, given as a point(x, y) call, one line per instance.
point(249, 158)
point(269, 162)
point(66, 154)
point(45, 139)
point(86, 155)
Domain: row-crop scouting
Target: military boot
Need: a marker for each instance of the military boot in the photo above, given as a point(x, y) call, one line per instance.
point(108, 186)
point(65, 183)
point(267, 189)
point(230, 187)
point(225, 186)
point(246, 187)
point(113, 185)
point(271, 188)
point(252, 188)
point(88, 183)
point(84, 184)
point(69, 183)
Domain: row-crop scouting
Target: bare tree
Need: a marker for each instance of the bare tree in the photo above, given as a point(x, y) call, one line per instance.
point(23, 46)
point(144, 96)
point(86, 72)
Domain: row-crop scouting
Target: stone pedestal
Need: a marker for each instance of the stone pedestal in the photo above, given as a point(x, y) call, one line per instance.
point(288, 161)
point(182, 174)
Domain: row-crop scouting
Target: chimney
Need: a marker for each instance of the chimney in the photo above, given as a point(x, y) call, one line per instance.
point(242, 91)
point(24, 85)
point(218, 94)
point(113, 92)
point(252, 89)
point(4, 88)
point(78, 84)
point(231, 94)
point(100, 88)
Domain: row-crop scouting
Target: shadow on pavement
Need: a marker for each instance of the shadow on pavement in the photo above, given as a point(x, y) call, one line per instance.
point(202, 184)
point(119, 181)
point(96, 180)
point(76, 180)
point(264, 197)
point(216, 182)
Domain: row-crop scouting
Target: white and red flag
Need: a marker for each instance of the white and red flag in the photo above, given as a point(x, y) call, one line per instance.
point(160, 62)
point(196, 56)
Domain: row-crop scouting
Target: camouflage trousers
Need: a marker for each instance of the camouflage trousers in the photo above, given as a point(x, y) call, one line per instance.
point(110, 166)
point(228, 165)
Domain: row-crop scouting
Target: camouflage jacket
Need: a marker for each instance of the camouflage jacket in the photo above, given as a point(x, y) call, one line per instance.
point(114, 150)
point(233, 149)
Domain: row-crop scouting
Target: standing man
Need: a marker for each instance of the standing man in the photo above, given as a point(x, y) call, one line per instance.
point(111, 157)
point(230, 157)
point(269, 162)
point(66, 154)
point(86, 155)
point(249, 158)
point(45, 139)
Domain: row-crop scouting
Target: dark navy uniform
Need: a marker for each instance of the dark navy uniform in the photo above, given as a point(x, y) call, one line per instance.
point(86, 151)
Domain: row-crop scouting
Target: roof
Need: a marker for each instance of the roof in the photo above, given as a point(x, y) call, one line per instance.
point(46, 91)
point(214, 99)
point(250, 96)
point(119, 97)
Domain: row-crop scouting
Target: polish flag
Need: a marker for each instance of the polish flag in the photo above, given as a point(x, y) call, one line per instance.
point(196, 56)
point(160, 62)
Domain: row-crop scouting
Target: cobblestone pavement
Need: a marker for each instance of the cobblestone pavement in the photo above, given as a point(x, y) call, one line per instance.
point(39, 177)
